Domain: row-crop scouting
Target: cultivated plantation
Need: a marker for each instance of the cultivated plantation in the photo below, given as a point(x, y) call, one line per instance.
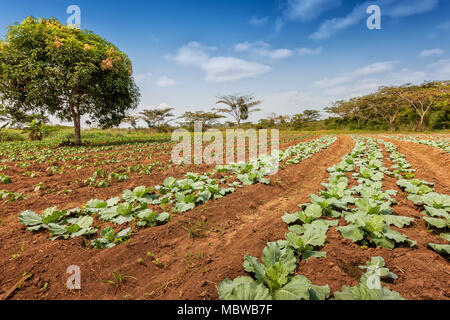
point(250, 173)
point(344, 217)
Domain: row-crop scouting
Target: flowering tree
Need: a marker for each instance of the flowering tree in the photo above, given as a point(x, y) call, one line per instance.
point(66, 72)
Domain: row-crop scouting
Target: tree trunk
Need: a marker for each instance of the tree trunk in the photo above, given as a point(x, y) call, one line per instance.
point(77, 125)
point(420, 127)
point(76, 122)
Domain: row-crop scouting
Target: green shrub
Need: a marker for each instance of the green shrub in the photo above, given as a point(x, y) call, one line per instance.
point(8, 136)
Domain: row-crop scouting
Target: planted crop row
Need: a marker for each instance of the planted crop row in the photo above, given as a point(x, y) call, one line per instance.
point(275, 277)
point(440, 144)
point(370, 222)
point(436, 207)
point(37, 152)
point(145, 207)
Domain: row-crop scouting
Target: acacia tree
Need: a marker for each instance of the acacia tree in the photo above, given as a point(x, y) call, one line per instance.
point(157, 117)
point(66, 72)
point(277, 119)
point(348, 110)
point(132, 120)
point(422, 98)
point(238, 106)
point(387, 104)
point(207, 119)
point(308, 116)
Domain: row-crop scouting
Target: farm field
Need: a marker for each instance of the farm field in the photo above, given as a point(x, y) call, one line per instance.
point(224, 159)
point(338, 202)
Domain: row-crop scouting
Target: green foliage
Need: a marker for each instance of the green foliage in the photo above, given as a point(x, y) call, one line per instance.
point(370, 287)
point(50, 68)
point(109, 239)
point(37, 129)
point(238, 106)
point(4, 179)
point(274, 279)
point(207, 119)
point(157, 118)
point(440, 248)
point(11, 196)
point(408, 107)
point(59, 223)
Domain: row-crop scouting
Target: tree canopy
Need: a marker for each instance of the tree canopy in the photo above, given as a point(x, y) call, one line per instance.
point(46, 67)
point(157, 118)
point(207, 119)
point(300, 119)
point(408, 106)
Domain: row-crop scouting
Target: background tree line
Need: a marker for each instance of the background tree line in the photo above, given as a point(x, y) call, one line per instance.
point(407, 107)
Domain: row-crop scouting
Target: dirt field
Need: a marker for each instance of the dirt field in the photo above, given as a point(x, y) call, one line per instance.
point(183, 266)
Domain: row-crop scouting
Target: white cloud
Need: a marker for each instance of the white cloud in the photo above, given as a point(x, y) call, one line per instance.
point(257, 21)
point(332, 26)
point(142, 77)
point(292, 102)
point(445, 25)
point(357, 82)
point(218, 68)
point(308, 10)
point(374, 68)
point(276, 54)
point(263, 49)
point(309, 51)
point(165, 82)
point(147, 78)
point(432, 52)
point(439, 70)
point(222, 69)
point(304, 10)
point(406, 8)
point(369, 70)
point(389, 8)
point(192, 53)
point(369, 78)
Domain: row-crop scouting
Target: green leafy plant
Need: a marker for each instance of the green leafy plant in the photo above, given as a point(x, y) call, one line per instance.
point(4, 179)
point(109, 239)
point(274, 279)
point(118, 279)
point(37, 129)
point(370, 288)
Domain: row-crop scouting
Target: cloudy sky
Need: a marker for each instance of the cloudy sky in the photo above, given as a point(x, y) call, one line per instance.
point(292, 54)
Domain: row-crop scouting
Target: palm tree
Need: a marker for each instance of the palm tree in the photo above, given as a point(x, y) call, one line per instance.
point(239, 106)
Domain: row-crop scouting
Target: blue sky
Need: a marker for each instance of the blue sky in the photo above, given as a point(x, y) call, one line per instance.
point(292, 54)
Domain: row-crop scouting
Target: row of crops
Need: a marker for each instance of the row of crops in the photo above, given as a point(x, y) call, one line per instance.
point(436, 206)
point(366, 216)
point(439, 143)
point(36, 153)
point(150, 206)
point(66, 160)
